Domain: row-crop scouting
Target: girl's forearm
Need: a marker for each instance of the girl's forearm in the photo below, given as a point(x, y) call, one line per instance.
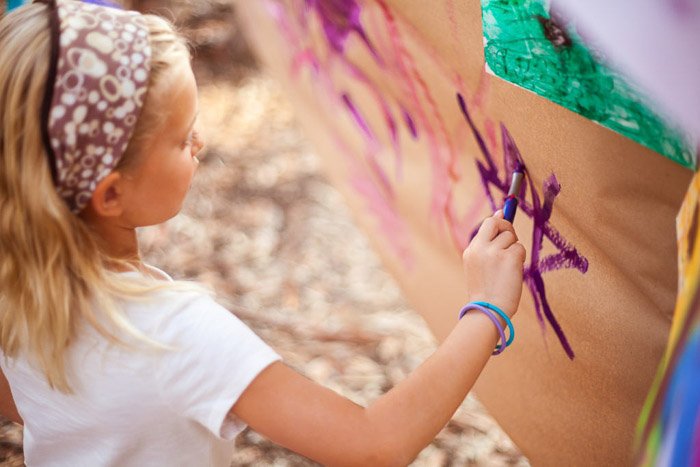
point(331, 429)
point(409, 416)
point(318, 423)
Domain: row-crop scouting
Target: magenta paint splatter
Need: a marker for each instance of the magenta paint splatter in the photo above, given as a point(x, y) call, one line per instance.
point(425, 115)
point(443, 156)
point(540, 211)
point(340, 18)
point(371, 159)
point(424, 118)
point(410, 124)
point(359, 119)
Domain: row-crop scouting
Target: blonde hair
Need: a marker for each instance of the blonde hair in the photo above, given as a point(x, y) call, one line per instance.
point(52, 271)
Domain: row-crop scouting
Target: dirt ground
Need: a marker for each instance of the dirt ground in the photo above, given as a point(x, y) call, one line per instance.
point(266, 230)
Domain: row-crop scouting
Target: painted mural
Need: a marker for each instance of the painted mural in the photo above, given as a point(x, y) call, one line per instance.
point(422, 139)
point(415, 112)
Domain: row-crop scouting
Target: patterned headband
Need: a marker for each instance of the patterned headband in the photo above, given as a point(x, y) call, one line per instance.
point(98, 78)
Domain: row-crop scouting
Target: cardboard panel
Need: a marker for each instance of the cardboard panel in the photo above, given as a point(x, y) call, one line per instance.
point(376, 85)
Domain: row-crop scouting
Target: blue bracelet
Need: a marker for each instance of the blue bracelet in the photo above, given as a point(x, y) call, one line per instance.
point(502, 315)
point(473, 306)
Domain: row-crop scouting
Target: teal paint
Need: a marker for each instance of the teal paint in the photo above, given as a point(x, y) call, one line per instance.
point(527, 46)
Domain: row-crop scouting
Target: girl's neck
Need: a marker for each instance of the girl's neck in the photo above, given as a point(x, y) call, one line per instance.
point(122, 245)
point(115, 240)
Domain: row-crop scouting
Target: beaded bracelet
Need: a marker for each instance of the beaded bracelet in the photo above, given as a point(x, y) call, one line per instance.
point(473, 306)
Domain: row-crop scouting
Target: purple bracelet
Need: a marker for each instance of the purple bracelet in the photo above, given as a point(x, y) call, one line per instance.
point(493, 318)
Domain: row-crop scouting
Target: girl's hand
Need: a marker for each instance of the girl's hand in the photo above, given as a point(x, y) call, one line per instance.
point(493, 265)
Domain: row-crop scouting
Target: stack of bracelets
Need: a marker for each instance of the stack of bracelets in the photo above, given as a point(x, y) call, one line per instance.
point(491, 311)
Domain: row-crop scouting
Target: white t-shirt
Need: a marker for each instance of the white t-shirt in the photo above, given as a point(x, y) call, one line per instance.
point(144, 407)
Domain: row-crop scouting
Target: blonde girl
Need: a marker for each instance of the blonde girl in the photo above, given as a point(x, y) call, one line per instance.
point(106, 360)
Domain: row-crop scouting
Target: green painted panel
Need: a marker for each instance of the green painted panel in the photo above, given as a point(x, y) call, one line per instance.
point(523, 44)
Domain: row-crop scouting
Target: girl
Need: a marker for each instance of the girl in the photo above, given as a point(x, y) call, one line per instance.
point(109, 361)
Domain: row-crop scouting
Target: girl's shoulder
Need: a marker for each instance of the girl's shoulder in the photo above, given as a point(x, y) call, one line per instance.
point(168, 303)
point(185, 314)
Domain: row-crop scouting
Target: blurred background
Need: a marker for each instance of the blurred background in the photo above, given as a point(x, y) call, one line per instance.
point(263, 227)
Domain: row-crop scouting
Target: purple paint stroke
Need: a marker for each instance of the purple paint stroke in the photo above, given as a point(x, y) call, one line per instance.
point(540, 212)
point(359, 119)
point(368, 180)
point(440, 205)
point(410, 124)
point(381, 205)
point(339, 22)
point(358, 74)
point(372, 161)
point(340, 18)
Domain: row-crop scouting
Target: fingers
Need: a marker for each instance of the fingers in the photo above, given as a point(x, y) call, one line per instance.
point(497, 234)
point(492, 227)
point(516, 252)
point(504, 239)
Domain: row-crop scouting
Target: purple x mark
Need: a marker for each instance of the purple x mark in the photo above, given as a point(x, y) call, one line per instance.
point(566, 257)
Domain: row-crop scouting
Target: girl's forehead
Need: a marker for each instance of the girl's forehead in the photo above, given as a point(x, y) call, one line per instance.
point(176, 98)
point(177, 80)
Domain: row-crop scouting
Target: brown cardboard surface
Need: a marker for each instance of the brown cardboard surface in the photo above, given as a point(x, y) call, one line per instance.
point(617, 207)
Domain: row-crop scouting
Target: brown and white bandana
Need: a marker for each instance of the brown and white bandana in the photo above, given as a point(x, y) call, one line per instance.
point(98, 82)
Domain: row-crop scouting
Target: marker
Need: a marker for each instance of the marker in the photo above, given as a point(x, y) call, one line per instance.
point(511, 203)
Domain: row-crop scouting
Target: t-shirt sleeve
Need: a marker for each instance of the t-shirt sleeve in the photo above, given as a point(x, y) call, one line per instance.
point(215, 357)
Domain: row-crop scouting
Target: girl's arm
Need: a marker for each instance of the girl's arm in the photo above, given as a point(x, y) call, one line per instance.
point(7, 403)
point(322, 425)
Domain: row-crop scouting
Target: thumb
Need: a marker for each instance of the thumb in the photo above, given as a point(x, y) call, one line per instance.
point(498, 214)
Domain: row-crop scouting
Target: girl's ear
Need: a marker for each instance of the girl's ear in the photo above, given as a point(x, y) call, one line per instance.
point(107, 199)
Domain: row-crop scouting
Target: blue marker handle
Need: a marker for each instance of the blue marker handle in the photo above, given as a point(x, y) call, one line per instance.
point(509, 208)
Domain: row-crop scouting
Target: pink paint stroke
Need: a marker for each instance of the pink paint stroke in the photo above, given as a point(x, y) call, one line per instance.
point(339, 20)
